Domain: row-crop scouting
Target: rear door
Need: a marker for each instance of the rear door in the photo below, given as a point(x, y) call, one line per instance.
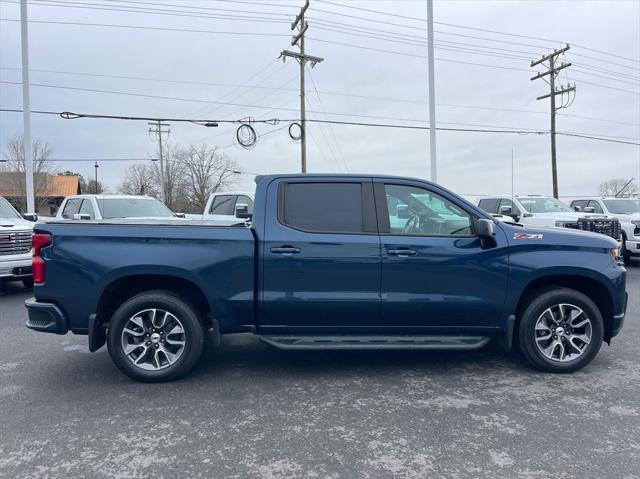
point(320, 257)
point(436, 277)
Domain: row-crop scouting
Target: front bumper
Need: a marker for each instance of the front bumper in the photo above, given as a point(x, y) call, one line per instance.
point(19, 267)
point(618, 319)
point(633, 246)
point(45, 317)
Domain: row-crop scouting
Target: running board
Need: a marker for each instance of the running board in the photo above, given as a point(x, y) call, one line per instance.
point(376, 342)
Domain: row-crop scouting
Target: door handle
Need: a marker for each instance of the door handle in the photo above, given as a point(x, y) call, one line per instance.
point(401, 252)
point(285, 250)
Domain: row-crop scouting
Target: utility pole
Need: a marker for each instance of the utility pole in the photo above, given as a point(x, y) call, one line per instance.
point(26, 108)
point(158, 131)
point(95, 187)
point(432, 93)
point(552, 71)
point(302, 58)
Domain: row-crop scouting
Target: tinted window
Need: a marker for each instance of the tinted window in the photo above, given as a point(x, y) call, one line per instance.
point(71, 208)
point(223, 205)
point(6, 210)
point(323, 207)
point(87, 209)
point(580, 203)
point(133, 208)
point(244, 200)
point(596, 206)
point(416, 211)
point(490, 205)
point(507, 202)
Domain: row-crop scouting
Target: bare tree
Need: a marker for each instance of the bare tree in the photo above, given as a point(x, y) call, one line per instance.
point(14, 169)
point(174, 178)
point(206, 171)
point(139, 179)
point(612, 187)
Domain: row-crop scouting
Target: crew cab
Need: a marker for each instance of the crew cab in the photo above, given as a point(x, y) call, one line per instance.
point(15, 244)
point(626, 210)
point(327, 262)
point(98, 207)
point(545, 211)
point(228, 207)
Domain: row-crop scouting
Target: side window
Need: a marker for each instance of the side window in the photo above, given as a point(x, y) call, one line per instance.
point(416, 211)
point(596, 206)
point(71, 208)
point(490, 205)
point(87, 208)
point(322, 207)
point(244, 200)
point(508, 202)
point(580, 203)
point(223, 205)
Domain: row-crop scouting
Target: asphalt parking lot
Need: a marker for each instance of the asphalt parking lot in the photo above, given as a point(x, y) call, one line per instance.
point(252, 411)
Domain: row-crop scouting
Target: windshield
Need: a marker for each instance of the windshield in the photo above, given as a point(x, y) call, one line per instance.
point(133, 208)
point(6, 210)
point(544, 205)
point(623, 207)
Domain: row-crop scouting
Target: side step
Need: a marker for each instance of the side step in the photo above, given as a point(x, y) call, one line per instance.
point(376, 342)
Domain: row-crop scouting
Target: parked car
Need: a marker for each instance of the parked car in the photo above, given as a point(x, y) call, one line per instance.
point(627, 210)
point(222, 207)
point(546, 211)
point(15, 244)
point(99, 207)
point(328, 264)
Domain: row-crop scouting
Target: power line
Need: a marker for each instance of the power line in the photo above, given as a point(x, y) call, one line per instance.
point(69, 115)
point(323, 92)
point(143, 27)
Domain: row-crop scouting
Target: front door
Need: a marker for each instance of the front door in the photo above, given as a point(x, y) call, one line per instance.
point(436, 277)
point(320, 257)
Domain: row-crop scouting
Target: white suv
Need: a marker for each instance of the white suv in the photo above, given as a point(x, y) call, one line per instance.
point(15, 244)
point(545, 211)
point(627, 210)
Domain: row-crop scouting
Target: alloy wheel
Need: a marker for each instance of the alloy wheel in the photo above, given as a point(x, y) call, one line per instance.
point(563, 332)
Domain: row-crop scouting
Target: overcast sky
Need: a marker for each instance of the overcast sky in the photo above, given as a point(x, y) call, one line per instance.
point(607, 103)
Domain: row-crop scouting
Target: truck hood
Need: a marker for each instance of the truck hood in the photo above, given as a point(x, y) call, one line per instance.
point(629, 218)
point(561, 216)
point(15, 224)
point(556, 236)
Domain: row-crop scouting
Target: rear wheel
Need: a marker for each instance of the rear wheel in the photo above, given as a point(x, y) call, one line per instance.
point(560, 331)
point(155, 336)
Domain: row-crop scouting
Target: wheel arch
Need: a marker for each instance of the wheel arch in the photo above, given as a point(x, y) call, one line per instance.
point(589, 286)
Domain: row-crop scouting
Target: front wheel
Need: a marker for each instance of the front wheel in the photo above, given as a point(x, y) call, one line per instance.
point(624, 252)
point(155, 336)
point(560, 331)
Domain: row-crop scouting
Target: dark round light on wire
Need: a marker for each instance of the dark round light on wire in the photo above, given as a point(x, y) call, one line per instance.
point(295, 131)
point(246, 136)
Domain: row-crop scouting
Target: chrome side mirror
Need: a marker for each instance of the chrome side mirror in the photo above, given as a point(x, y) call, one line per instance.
point(30, 217)
point(81, 216)
point(242, 212)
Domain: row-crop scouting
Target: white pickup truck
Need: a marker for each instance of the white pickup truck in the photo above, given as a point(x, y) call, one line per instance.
point(546, 211)
point(225, 208)
point(98, 207)
point(15, 244)
point(627, 210)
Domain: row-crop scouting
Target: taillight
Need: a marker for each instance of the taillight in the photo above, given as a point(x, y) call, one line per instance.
point(39, 241)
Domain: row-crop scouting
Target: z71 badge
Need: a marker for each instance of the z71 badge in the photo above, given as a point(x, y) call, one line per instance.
point(527, 236)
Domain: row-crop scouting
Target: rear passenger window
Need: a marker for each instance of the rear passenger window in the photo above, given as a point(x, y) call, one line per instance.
point(490, 205)
point(323, 207)
point(223, 205)
point(71, 208)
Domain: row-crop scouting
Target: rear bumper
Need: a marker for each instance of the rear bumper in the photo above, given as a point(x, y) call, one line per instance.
point(45, 317)
point(20, 267)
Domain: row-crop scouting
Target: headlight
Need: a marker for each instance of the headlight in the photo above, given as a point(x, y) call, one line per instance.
point(615, 255)
point(635, 222)
point(566, 224)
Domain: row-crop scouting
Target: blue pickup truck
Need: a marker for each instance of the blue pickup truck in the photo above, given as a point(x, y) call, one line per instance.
point(329, 262)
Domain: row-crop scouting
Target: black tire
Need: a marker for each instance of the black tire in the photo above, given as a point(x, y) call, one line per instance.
point(177, 306)
point(624, 252)
point(527, 334)
point(28, 283)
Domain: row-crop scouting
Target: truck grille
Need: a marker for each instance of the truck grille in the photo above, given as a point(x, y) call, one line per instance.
point(15, 242)
point(606, 226)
